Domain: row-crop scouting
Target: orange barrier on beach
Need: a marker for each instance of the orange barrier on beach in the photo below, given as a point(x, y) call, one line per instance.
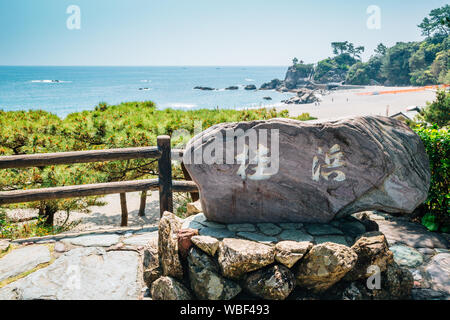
point(374, 93)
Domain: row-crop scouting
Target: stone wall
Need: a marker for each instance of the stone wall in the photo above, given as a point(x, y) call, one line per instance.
point(200, 259)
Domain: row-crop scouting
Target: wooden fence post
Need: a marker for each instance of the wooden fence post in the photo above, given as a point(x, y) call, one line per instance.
point(143, 203)
point(165, 175)
point(123, 206)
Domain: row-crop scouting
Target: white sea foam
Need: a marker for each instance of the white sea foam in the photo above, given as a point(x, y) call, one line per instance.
point(49, 81)
point(182, 105)
point(249, 80)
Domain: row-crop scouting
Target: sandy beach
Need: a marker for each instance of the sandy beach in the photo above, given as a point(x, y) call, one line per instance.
point(347, 103)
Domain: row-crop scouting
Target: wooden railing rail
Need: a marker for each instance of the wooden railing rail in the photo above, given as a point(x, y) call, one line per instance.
point(164, 183)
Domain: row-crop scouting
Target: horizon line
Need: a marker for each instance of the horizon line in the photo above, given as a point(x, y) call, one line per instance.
point(138, 66)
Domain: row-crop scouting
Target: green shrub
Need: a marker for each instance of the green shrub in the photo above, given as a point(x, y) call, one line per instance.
point(131, 124)
point(438, 112)
point(437, 146)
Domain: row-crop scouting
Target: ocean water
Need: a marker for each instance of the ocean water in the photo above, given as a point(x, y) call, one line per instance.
point(82, 88)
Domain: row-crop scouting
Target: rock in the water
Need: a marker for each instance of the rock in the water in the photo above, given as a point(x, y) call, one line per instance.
point(206, 243)
point(272, 283)
point(250, 87)
point(204, 88)
point(372, 250)
point(274, 84)
point(289, 252)
point(193, 208)
point(237, 257)
point(324, 265)
point(325, 170)
point(169, 225)
point(232, 88)
point(205, 280)
point(23, 259)
point(168, 288)
point(82, 274)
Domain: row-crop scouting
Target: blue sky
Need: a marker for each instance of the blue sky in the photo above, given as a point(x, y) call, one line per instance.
point(198, 32)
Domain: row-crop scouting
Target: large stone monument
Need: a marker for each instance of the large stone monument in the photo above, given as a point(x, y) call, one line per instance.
point(284, 170)
point(277, 198)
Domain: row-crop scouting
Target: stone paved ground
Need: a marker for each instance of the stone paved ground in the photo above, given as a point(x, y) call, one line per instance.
point(108, 265)
point(95, 266)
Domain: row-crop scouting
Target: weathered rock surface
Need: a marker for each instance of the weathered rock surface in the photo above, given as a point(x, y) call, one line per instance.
point(406, 257)
point(324, 265)
point(101, 240)
point(272, 283)
point(4, 245)
point(206, 244)
point(372, 250)
point(326, 170)
point(237, 257)
point(184, 240)
point(257, 237)
point(141, 239)
point(241, 227)
point(396, 283)
point(269, 229)
point(289, 252)
point(169, 225)
point(204, 88)
point(295, 235)
point(303, 96)
point(23, 259)
point(272, 85)
point(438, 271)
point(152, 269)
point(193, 208)
point(168, 288)
point(82, 274)
point(411, 234)
point(205, 279)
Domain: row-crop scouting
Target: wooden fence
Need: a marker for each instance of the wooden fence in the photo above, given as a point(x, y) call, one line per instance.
point(164, 183)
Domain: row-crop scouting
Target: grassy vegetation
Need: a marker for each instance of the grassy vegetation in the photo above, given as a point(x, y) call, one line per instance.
point(432, 128)
point(411, 63)
point(131, 124)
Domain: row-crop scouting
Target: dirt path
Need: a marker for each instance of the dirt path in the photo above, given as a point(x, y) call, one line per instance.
point(104, 217)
